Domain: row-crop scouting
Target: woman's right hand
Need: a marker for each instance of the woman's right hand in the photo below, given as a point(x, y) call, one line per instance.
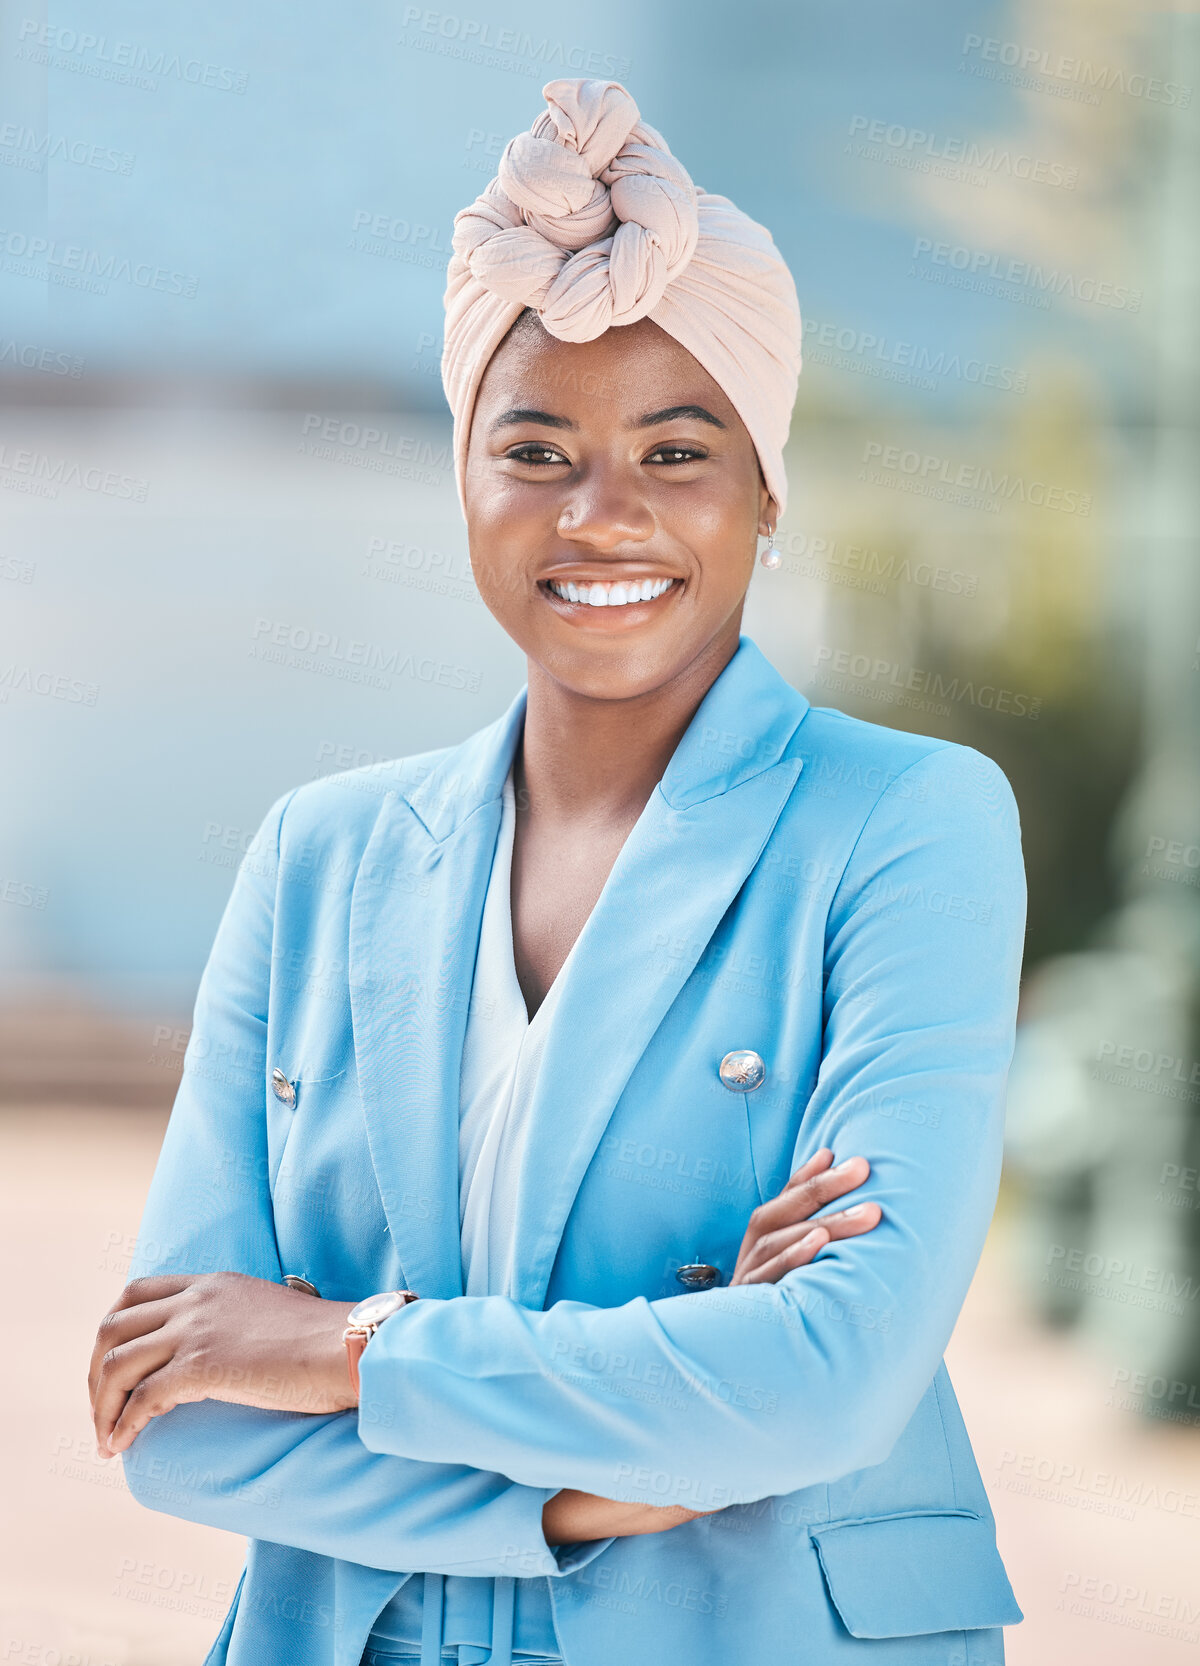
point(572, 1517)
point(780, 1236)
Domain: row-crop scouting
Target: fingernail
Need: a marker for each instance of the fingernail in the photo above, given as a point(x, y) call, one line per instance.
point(854, 1209)
point(841, 1167)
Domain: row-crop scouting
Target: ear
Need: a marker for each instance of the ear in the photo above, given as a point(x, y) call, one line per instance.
point(768, 513)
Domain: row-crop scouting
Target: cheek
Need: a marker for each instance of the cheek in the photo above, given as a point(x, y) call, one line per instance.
point(496, 579)
point(720, 530)
point(723, 497)
point(499, 542)
point(502, 510)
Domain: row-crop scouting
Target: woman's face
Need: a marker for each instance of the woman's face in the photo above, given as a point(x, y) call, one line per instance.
point(603, 470)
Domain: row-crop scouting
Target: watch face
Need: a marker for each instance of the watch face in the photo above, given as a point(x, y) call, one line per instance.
point(375, 1309)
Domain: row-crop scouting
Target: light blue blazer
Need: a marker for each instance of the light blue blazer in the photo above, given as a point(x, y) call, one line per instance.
point(846, 900)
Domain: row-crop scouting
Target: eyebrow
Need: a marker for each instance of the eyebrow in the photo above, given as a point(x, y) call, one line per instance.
point(547, 419)
point(674, 413)
point(518, 414)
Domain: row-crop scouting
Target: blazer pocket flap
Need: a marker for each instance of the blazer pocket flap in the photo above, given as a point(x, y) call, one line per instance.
point(905, 1575)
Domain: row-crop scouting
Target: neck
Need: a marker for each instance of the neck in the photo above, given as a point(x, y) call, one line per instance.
point(601, 759)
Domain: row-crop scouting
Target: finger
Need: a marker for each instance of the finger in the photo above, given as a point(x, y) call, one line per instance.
point(801, 1200)
point(852, 1222)
point(121, 1326)
point(120, 1373)
point(152, 1396)
point(153, 1289)
point(820, 1159)
point(796, 1254)
point(816, 1164)
point(774, 1243)
point(832, 1180)
point(846, 1223)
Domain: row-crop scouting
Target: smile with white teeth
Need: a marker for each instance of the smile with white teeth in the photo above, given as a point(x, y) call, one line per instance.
point(612, 595)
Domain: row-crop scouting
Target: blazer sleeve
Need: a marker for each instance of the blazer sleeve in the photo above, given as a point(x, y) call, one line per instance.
point(294, 1479)
point(812, 1378)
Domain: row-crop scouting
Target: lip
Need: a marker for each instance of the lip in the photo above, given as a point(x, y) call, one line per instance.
point(625, 617)
point(583, 572)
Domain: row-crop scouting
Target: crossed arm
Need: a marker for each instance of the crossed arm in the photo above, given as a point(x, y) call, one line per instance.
point(182, 1338)
point(472, 1421)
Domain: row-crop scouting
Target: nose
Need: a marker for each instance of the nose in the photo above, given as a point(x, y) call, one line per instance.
point(606, 510)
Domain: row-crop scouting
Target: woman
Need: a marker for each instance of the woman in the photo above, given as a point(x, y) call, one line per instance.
point(607, 973)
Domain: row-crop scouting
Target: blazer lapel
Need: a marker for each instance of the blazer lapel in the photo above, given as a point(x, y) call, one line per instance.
point(698, 838)
point(415, 914)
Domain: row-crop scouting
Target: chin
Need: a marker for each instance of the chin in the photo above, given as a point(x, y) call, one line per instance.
point(612, 670)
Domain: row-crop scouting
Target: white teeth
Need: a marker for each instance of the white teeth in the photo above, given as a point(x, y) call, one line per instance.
point(612, 595)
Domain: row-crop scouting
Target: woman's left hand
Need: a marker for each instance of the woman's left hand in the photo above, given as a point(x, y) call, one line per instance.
point(214, 1336)
point(782, 1234)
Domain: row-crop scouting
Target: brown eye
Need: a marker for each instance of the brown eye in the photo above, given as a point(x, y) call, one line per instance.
point(539, 455)
point(673, 455)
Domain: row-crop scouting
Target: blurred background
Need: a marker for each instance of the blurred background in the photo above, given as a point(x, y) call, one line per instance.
point(224, 457)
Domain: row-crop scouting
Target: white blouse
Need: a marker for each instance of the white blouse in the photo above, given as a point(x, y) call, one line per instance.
point(501, 1056)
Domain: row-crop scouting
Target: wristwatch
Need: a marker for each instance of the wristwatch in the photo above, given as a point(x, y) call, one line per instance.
point(364, 1320)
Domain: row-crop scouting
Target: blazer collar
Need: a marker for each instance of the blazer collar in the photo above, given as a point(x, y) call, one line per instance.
point(741, 727)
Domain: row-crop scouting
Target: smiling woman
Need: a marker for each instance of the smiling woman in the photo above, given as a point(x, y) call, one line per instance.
point(623, 1380)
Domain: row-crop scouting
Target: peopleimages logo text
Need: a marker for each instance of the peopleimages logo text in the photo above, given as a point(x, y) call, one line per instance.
point(48, 257)
point(884, 679)
point(99, 52)
point(896, 142)
point(881, 461)
point(1024, 274)
point(1038, 61)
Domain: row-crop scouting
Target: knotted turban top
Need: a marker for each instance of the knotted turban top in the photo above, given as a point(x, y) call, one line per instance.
point(592, 223)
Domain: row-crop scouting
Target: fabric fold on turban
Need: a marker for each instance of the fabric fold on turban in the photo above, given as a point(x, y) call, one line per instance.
point(592, 223)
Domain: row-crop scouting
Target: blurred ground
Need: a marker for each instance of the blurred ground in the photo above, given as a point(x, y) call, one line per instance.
point(1098, 1513)
point(86, 1571)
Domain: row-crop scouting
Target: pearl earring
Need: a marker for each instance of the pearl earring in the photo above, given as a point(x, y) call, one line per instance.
point(771, 557)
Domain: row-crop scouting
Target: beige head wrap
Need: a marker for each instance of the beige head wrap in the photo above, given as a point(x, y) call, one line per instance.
point(593, 223)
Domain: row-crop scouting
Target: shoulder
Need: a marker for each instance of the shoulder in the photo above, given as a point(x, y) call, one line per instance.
point(927, 830)
point(868, 772)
